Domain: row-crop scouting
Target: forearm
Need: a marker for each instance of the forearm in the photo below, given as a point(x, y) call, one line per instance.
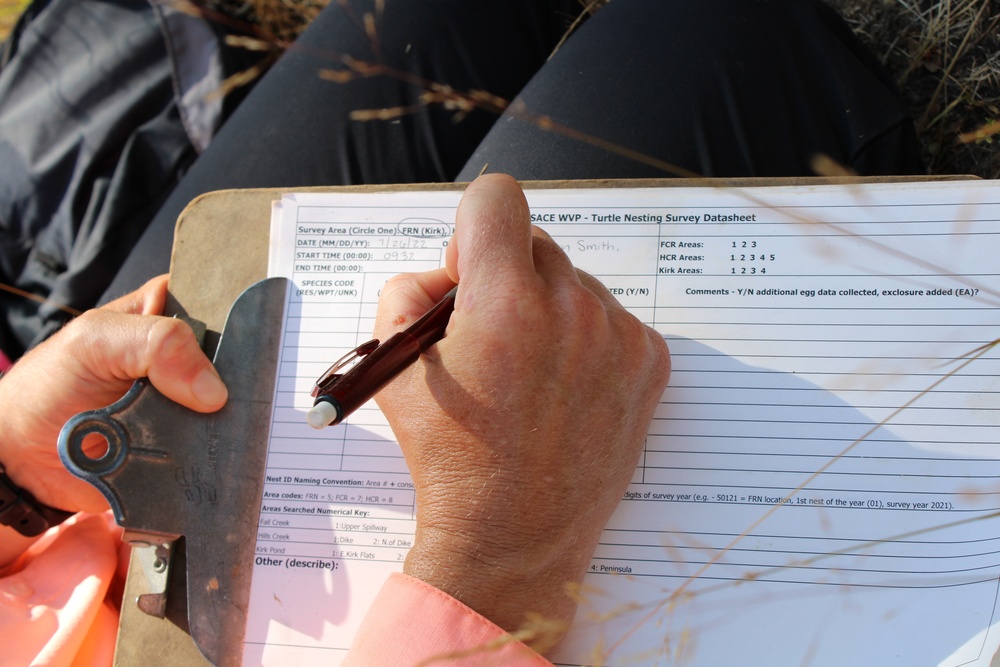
point(22, 518)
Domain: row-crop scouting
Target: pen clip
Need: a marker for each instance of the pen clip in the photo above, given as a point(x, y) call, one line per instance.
point(333, 373)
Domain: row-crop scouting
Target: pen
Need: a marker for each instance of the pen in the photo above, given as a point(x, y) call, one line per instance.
point(339, 394)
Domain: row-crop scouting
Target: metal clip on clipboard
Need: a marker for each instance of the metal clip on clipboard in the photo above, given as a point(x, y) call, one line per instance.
point(171, 473)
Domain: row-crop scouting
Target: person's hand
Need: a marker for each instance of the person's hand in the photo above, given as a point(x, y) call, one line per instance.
point(523, 426)
point(90, 364)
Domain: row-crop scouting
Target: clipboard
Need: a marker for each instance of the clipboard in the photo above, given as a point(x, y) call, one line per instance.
point(220, 248)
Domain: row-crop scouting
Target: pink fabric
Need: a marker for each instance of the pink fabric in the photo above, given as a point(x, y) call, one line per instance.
point(53, 610)
point(412, 623)
point(4, 362)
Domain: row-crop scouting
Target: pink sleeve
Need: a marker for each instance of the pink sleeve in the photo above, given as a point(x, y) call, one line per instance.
point(411, 622)
point(52, 599)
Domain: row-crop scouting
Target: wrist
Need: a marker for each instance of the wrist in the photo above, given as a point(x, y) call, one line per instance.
point(523, 588)
point(21, 512)
point(15, 520)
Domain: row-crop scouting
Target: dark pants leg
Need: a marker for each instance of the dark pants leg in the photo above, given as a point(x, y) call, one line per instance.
point(714, 87)
point(295, 127)
point(717, 87)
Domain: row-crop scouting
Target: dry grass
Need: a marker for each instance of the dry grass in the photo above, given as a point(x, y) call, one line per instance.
point(277, 20)
point(9, 11)
point(944, 54)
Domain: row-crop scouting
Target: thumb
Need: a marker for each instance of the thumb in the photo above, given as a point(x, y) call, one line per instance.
point(147, 300)
point(493, 233)
point(165, 351)
point(112, 349)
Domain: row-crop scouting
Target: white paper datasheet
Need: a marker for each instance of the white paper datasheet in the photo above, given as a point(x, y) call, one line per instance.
point(820, 480)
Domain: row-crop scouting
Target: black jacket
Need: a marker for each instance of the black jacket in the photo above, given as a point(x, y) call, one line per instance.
point(103, 105)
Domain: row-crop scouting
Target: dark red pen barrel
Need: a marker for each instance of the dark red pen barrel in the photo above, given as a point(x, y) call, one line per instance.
point(353, 389)
point(358, 385)
point(430, 328)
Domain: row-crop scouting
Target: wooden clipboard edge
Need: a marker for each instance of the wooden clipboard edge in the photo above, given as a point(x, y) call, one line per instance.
point(221, 238)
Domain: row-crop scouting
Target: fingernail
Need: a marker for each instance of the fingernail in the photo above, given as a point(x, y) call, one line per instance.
point(209, 389)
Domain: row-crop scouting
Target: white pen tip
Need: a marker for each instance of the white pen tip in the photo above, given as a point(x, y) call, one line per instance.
point(321, 415)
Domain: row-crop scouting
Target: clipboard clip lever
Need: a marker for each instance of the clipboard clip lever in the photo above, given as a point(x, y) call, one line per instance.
point(176, 478)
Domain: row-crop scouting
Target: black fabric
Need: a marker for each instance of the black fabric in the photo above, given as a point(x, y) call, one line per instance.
point(709, 87)
point(715, 87)
point(296, 127)
point(90, 145)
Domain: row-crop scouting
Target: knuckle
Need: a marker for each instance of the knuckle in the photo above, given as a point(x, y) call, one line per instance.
point(661, 364)
point(169, 340)
point(643, 350)
point(397, 282)
point(78, 336)
point(586, 308)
